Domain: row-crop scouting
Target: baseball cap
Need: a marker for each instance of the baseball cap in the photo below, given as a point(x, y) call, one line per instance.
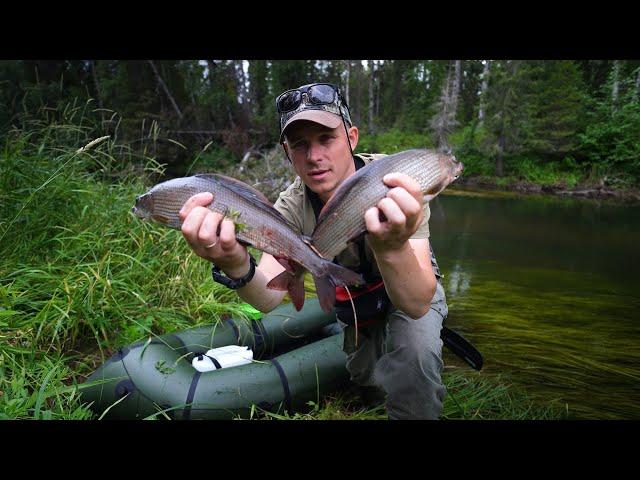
point(315, 108)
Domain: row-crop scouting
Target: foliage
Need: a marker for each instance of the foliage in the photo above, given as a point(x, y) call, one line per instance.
point(611, 140)
point(392, 141)
point(557, 108)
point(172, 109)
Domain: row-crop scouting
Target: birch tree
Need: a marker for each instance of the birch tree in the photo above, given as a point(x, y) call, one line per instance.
point(455, 91)
point(372, 73)
point(347, 80)
point(243, 91)
point(615, 87)
point(356, 106)
point(445, 118)
point(483, 90)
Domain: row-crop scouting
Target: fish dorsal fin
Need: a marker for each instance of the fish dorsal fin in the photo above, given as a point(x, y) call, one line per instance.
point(251, 194)
point(340, 193)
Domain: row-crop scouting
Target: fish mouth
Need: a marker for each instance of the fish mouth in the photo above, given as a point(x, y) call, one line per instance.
point(458, 169)
point(143, 206)
point(138, 212)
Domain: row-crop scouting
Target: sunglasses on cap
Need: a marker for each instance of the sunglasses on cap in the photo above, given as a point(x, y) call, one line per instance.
point(316, 94)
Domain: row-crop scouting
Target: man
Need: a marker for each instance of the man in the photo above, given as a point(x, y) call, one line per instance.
point(396, 348)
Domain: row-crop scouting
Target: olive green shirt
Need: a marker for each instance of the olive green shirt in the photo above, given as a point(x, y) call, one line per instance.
point(295, 205)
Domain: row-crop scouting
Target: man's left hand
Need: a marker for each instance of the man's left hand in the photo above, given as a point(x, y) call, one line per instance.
point(402, 208)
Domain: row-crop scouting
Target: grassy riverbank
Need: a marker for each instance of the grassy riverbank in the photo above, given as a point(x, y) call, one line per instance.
point(81, 277)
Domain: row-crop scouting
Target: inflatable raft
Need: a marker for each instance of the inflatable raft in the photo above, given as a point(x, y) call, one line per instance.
point(297, 358)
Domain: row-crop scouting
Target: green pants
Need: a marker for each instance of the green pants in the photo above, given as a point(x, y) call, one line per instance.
point(403, 357)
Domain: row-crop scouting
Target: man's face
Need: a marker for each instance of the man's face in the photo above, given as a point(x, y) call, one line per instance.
point(321, 155)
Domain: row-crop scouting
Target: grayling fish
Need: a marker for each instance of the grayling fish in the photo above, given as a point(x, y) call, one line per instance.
point(258, 224)
point(342, 218)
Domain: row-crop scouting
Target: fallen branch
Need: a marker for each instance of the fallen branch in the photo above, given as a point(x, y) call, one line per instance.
point(596, 191)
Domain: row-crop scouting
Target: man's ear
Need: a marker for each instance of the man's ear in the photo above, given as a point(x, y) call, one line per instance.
point(354, 135)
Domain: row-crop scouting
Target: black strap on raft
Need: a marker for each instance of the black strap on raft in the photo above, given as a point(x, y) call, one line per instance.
point(285, 385)
point(192, 391)
point(236, 331)
point(118, 356)
point(215, 362)
point(259, 338)
point(124, 387)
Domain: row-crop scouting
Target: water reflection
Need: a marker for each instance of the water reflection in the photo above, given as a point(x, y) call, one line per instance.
point(554, 297)
point(458, 280)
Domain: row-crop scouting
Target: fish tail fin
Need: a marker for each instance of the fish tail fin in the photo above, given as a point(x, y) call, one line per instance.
point(326, 284)
point(326, 290)
point(293, 283)
point(343, 276)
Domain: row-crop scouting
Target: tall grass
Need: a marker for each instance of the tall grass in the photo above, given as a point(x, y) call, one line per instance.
point(80, 276)
point(470, 396)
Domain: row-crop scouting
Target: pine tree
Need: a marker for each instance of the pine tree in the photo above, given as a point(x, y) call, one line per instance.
point(507, 111)
point(556, 105)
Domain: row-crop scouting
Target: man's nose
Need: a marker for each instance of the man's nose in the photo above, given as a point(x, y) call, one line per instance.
point(314, 151)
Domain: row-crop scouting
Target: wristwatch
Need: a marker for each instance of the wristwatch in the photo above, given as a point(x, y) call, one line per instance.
point(234, 283)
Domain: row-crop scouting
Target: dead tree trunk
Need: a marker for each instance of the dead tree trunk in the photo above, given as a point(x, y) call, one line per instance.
point(242, 83)
point(348, 75)
point(377, 87)
point(358, 75)
point(441, 121)
point(96, 84)
point(164, 87)
point(371, 97)
point(243, 94)
point(483, 91)
point(455, 90)
point(616, 83)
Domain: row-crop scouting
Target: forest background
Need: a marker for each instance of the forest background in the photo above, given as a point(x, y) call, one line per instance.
point(559, 124)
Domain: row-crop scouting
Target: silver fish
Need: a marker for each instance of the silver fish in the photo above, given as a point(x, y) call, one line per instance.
point(342, 218)
point(258, 224)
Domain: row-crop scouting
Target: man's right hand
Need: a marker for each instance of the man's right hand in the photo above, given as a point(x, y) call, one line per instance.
point(200, 228)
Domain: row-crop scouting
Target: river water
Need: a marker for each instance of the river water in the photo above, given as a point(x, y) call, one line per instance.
point(548, 290)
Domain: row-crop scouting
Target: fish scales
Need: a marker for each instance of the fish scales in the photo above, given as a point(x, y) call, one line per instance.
point(342, 218)
point(272, 234)
point(258, 224)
